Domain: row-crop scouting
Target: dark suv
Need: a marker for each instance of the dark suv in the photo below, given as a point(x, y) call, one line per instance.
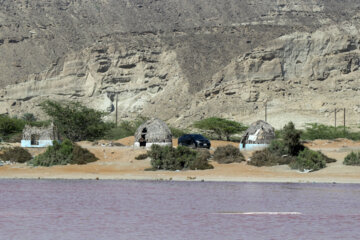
point(194, 140)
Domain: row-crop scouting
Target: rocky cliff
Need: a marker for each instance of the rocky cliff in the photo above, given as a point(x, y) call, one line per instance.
point(184, 60)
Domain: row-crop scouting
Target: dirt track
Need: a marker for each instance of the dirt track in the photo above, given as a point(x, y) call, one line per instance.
point(120, 163)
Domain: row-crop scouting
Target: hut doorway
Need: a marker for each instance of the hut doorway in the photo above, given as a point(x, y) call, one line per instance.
point(143, 138)
point(35, 139)
point(244, 140)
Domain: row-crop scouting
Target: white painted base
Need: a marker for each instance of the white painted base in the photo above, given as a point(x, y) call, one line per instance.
point(42, 144)
point(253, 147)
point(148, 145)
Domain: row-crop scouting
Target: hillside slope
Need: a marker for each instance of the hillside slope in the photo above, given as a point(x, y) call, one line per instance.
point(178, 59)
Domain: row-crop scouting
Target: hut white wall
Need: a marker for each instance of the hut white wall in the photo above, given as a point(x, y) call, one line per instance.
point(252, 147)
point(148, 145)
point(42, 143)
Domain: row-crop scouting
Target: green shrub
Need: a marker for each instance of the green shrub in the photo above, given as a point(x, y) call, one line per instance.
point(352, 159)
point(267, 158)
point(263, 158)
point(287, 141)
point(14, 137)
point(320, 131)
point(177, 132)
point(142, 156)
point(235, 138)
point(76, 122)
point(228, 154)
point(124, 129)
point(203, 153)
point(279, 133)
point(289, 150)
point(117, 133)
point(201, 160)
point(16, 154)
point(10, 126)
point(62, 154)
point(291, 138)
point(81, 156)
point(39, 123)
point(169, 158)
point(58, 154)
point(309, 160)
point(278, 147)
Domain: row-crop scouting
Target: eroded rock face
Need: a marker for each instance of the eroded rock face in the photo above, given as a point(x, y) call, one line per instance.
point(303, 77)
point(100, 75)
point(183, 60)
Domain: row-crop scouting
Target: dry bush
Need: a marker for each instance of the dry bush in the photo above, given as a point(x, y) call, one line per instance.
point(228, 154)
point(16, 154)
point(169, 158)
point(352, 159)
point(267, 158)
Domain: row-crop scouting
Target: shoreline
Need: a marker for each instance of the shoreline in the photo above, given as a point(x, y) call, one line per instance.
point(276, 175)
point(118, 163)
point(242, 180)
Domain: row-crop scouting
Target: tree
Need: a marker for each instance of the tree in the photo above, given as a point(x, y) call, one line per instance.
point(10, 126)
point(76, 122)
point(220, 126)
point(291, 137)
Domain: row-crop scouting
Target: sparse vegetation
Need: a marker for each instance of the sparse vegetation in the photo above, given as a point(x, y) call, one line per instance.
point(124, 129)
point(76, 122)
point(62, 154)
point(281, 150)
point(268, 158)
point(180, 158)
point(352, 159)
point(309, 160)
point(14, 138)
point(10, 127)
point(201, 160)
point(278, 147)
point(221, 127)
point(81, 156)
point(289, 150)
point(177, 132)
point(16, 154)
point(228, 154)
point(320, 131)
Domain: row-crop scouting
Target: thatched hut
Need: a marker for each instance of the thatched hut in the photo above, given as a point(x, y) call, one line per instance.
point(257, 136)
point(39, 136)
point(153, 131)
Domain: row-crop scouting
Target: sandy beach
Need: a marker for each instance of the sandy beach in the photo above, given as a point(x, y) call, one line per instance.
point(119, 163)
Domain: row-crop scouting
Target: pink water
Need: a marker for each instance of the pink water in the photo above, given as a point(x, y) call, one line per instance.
point(86, 209)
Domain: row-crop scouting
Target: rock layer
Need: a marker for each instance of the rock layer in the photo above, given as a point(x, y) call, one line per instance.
point(182, 60)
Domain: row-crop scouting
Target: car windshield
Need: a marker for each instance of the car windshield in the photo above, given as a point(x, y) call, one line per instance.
point(198, 137)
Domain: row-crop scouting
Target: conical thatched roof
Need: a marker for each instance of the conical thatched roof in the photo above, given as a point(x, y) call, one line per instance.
point(156, 132)
point(259, 132)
